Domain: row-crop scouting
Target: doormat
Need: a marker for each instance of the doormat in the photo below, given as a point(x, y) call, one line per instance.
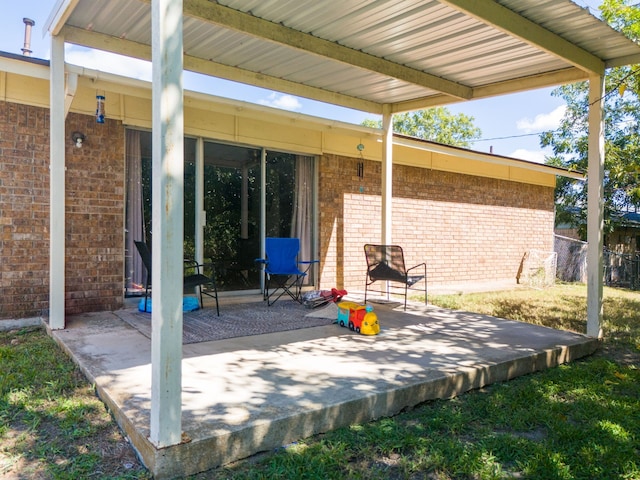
point(237, 320)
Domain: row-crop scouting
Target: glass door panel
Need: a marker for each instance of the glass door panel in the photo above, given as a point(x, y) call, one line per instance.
point(289, 200)
point(232, 209)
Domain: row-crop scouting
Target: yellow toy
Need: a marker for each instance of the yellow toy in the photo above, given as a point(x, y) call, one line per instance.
point(359, 318)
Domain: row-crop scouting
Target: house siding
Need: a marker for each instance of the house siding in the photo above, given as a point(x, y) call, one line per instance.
point(94, 213)
point(466, 228)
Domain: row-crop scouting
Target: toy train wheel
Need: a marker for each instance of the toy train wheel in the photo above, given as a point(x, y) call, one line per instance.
point(342, 323)
point(351, 327)
point(357, 329)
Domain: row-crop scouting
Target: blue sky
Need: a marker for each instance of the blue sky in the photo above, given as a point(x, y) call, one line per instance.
point(509, 123)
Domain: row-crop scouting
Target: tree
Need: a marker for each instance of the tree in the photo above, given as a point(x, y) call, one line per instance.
point(435, 124)
point(622, 136)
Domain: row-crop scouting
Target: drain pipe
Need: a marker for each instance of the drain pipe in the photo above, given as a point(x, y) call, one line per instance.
point(28, 23)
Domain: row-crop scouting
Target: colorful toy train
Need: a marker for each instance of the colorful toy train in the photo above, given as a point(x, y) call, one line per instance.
point(359, 318)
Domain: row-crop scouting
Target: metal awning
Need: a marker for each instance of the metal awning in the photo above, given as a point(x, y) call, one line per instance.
point(362, 54)
point(380, 56)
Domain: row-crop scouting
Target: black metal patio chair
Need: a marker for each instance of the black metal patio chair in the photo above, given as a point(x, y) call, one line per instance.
point(385, 263)
point(193, 277)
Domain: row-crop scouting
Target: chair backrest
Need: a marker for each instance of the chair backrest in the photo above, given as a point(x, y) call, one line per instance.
point(282, 254)
point(145, 255)
point(385, 262)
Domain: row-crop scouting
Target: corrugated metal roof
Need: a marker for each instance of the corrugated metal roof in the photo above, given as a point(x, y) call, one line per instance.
point(365, 53)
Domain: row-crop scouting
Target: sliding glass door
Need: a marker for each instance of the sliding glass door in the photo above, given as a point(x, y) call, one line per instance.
point(232, 194)
point(245, 194)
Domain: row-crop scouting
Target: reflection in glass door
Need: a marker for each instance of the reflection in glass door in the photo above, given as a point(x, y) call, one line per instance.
point(232, 210)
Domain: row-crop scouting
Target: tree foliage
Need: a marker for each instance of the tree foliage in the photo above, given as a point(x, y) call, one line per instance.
point(622, 140)
point(435, 124)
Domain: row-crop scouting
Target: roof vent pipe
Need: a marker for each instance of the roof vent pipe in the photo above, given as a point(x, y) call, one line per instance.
point(28, 23)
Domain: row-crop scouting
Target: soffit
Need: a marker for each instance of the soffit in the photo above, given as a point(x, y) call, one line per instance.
point(365, 53)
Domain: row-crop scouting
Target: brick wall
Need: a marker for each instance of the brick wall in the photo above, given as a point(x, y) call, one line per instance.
point(94, 212)
point(95, 216)
point(467, 228)
point(24, 210)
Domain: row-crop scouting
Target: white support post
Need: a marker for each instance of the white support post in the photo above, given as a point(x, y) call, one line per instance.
point(168, 223)
point(200, 214)
point(57, 186)
point(595, 207)
point(263, 208)
point(387, 174)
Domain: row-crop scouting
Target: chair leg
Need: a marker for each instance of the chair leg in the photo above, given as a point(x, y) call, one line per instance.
point(146, 297)
point(405, 296)
point(293, 289)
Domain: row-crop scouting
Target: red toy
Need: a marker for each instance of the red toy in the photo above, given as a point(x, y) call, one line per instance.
point(359, 318)
point(322, 297)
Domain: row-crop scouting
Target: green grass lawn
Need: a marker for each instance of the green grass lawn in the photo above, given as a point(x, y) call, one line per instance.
point(577, 421)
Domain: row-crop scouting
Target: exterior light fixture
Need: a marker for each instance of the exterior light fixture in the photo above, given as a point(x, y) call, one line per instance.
point(100, 109)
point(78, 138)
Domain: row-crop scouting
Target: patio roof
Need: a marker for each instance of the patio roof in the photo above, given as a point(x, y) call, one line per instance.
point(408, 54)
point(380, 56)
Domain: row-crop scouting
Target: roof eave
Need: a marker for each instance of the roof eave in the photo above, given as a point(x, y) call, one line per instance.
point(427, 145)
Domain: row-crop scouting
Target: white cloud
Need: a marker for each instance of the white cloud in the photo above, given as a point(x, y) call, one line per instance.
point(542, 121)
point(537, 156)
point(285, 102)
point(109, 62)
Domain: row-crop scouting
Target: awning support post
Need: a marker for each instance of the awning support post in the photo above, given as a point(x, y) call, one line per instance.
point(387, 174)
point(168, 223)
point(595, 207)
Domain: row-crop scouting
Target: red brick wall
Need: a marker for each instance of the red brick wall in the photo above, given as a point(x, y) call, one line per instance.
point(95, 216)
point(94, 213)
point(24, 210)
point(467, 228)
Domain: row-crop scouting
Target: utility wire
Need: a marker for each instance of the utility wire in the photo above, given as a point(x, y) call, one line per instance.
point(512, 136)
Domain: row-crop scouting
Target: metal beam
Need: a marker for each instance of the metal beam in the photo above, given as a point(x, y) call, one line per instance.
point(141, 51)
point(559, 77)
point(514, 24)
point(214, 13)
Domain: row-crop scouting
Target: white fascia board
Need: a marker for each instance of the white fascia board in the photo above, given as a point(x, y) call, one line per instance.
point(60, 13)
point(24, 67)
point(199, 98)
point(486, 158)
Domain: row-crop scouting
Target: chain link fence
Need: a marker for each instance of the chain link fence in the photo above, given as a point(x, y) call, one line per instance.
point(620, 269)
point(572, 259)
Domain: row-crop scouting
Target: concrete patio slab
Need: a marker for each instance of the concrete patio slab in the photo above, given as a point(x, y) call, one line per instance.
point(245, 395)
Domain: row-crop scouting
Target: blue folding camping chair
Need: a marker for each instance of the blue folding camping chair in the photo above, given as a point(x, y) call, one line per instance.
point(282, 269)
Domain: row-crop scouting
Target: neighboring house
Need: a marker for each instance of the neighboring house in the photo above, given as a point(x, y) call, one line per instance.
point(250, 172)
point(625, 238)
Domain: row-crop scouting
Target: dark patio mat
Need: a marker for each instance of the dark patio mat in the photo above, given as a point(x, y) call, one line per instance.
point(236, 320)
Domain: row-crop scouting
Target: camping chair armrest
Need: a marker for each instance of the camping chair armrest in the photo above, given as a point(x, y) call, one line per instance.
point(309, 262)
point(416, 266)
point(261, 261)
point(192, 263)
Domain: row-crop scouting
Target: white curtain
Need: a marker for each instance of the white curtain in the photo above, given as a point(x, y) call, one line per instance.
point(134, 270)
point(303, 206)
